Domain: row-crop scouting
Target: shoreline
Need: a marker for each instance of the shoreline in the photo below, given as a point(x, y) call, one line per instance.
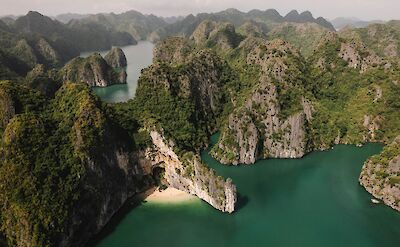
point(169, 195)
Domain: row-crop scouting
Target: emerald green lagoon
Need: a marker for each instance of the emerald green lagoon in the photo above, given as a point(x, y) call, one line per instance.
point(138, 57)
point(314, 201)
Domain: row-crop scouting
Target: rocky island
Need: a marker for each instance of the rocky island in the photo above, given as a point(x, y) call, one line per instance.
point(97, 71)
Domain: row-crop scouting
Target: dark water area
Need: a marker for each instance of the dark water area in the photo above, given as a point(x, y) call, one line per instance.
point(314, 201)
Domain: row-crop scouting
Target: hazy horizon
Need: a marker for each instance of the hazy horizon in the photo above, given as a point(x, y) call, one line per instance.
point(362, 9)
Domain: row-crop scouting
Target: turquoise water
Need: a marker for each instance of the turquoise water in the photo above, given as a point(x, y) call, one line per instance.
point(314, 201)
point(139, 57)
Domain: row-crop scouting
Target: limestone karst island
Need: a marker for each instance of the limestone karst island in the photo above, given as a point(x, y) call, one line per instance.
point(185, 123)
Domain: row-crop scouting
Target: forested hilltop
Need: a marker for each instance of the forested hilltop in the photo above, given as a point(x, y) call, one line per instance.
point(275, 87)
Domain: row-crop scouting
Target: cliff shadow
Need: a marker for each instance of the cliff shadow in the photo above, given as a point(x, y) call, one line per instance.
point(242, 201)
point(110, 227)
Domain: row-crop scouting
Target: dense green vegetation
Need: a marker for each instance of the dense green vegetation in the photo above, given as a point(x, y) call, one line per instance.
point(154, 105)
point(384, 39)
point(17, 100)
point(389, 153)
point(344, 96)
point(44, 152)
point(36, 190)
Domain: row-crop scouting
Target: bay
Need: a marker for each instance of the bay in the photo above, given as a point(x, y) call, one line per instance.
point(313, 201)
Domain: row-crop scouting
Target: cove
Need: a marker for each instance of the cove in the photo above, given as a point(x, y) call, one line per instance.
point(313, 201)
point(138, 57)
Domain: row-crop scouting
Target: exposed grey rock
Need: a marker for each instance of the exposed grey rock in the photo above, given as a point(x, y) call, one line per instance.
point(116, 58)
point(381, 177)
point(257, 128)
point(350, 54)
point(203, 31)
point(188, 174)
point(94, 71)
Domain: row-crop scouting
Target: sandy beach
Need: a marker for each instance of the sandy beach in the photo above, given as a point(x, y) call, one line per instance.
point(170, 195)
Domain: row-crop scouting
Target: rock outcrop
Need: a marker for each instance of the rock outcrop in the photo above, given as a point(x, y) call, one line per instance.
point(94, 71)
point(260, 128)
point(350, 50)
point(188, 174)
point(351, 53)
point(372, 125)
point(216, 34)
point(116, 58)
point(380, 175)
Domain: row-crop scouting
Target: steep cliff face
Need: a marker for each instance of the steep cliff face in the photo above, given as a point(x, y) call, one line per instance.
point(84, 172)
point(94, 71)
point(380, 175)
point(116, 58)
point(110, 179)
point(259, 127)
point(188, 174)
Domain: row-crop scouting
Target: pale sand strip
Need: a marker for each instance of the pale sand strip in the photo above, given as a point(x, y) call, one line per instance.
point(170, 195)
